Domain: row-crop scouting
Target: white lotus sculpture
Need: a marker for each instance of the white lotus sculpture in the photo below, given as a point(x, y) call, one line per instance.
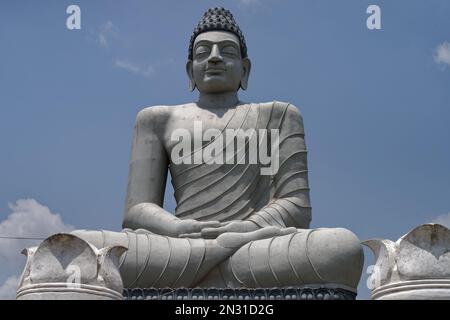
point(66, 267)
point(417, 266)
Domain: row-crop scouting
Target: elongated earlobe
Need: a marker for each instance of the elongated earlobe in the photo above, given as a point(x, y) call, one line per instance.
point(192, 85)
point(190, 74)
point(246, 67)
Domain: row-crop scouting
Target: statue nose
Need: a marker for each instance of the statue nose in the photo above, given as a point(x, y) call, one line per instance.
point(215, 54)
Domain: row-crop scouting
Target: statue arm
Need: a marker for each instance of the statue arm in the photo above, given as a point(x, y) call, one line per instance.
point(147, 176)
point(147, 180)
point(290, 204)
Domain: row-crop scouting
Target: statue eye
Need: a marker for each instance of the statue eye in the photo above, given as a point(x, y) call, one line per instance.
point(230, 51)
point(202, 50)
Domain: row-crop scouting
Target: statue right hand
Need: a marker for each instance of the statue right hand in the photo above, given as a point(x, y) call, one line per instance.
point(155, 219)
point(191, 228)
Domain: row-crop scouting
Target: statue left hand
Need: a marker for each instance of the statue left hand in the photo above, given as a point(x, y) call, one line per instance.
point(232, 226)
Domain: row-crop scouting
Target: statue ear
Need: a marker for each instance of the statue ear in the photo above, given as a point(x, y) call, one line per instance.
point(190, 74)
point(246, 67)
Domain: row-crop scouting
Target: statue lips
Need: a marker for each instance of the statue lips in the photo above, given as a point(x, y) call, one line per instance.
point(214, 71)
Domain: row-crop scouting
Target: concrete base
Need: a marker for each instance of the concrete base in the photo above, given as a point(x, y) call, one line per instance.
point(63, 291)
point(414, 290)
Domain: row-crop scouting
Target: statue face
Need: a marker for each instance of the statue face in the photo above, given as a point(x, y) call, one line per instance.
point(217, 64)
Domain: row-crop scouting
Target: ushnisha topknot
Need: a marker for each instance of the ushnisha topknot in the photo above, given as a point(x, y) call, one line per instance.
point(218, 19)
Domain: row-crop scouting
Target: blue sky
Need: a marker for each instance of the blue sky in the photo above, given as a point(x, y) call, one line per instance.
point(376, 103)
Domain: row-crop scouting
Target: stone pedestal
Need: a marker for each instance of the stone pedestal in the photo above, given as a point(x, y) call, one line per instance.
point(65, 267)
point(438, 289)
point(416, 267)
point(291, 293)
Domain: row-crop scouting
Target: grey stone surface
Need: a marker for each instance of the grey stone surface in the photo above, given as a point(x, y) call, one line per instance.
point(417, 266)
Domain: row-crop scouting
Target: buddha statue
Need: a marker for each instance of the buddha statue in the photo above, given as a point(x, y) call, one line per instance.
point(238, 223)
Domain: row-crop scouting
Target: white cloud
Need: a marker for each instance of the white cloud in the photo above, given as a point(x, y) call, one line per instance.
point(29, 219)
point(132, 67)
point(105, 33)
point(443, 219)
point(442, 53)
point(8, 288)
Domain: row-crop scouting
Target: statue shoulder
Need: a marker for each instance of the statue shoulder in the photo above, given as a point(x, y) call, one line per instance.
point(287, 108)
point(153, 113)
point(161, 113)
point(290, 114)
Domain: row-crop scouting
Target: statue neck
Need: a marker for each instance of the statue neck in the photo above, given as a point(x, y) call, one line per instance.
point(218, 100)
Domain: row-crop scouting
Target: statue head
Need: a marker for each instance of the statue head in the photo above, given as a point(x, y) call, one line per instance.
point(218, 59)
